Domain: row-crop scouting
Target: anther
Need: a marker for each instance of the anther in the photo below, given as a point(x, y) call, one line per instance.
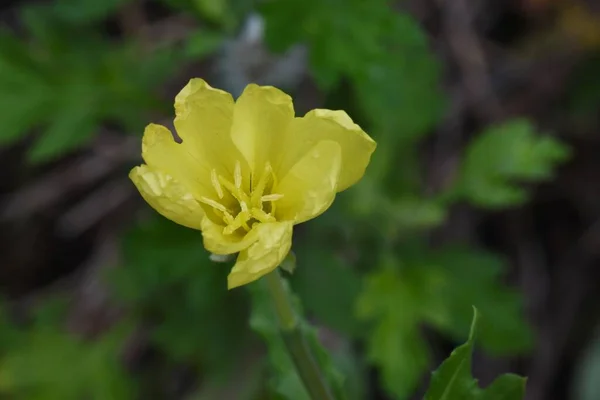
point(271, 197)
point(261, 215)
point(215, 182)
point(261, 186)
point(237, 175)
point(213, 204)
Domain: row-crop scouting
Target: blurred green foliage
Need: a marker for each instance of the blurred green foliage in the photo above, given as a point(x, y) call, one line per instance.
point(365, 270)
point(66, 79)
point(45, 362)
point(169, 282)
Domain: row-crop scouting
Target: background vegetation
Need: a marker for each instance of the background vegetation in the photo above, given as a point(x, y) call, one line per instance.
point(483, 191)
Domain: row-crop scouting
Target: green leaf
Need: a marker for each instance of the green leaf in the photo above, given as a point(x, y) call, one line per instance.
point(453, 378)
point(437, 288)
point(285, 381)
point(501, 157)
point(463, 277)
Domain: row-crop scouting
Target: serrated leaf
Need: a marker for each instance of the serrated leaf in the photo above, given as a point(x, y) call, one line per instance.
point(285, 380)
point(462, 277)
point(502, 157)
point(437, 288)
point(453, 379)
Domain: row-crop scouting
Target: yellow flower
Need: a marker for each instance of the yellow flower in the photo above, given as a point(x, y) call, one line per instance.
point(245, 172)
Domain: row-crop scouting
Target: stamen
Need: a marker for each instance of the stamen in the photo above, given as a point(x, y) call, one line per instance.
point(215, 182)
point(262, 216)
point(239, 194)
point(237, 175)
point(260, 187)
point(228, 219)
point(251, 203)
point(271, 197)
point(213, 204)
point(241, 220)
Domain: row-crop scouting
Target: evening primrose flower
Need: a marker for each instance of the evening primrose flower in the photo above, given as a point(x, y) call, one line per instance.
point(245, 172)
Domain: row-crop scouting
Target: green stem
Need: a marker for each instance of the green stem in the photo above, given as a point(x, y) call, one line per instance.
point(289, 323)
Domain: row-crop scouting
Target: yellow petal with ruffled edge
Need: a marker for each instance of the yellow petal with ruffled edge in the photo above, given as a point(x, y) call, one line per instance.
point(162, 153)
point(303, 133)
point(309, 187)
point(218, 243)
point(264, 255)
point(261, 115)
point(204, 117)
point(167, 196)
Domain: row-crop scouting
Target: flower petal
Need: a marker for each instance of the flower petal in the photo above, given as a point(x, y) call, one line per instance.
point(218, 243)
point(204, 117)
point(167, 196)
point(273, 245)
point(309, 187)
point(162, 153)
point(261, 115)
point(318, 125)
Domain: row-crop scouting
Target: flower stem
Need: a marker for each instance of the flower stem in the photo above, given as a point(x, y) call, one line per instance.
point(289, 324)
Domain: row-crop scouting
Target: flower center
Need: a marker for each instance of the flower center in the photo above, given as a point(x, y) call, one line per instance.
point(248, 208)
